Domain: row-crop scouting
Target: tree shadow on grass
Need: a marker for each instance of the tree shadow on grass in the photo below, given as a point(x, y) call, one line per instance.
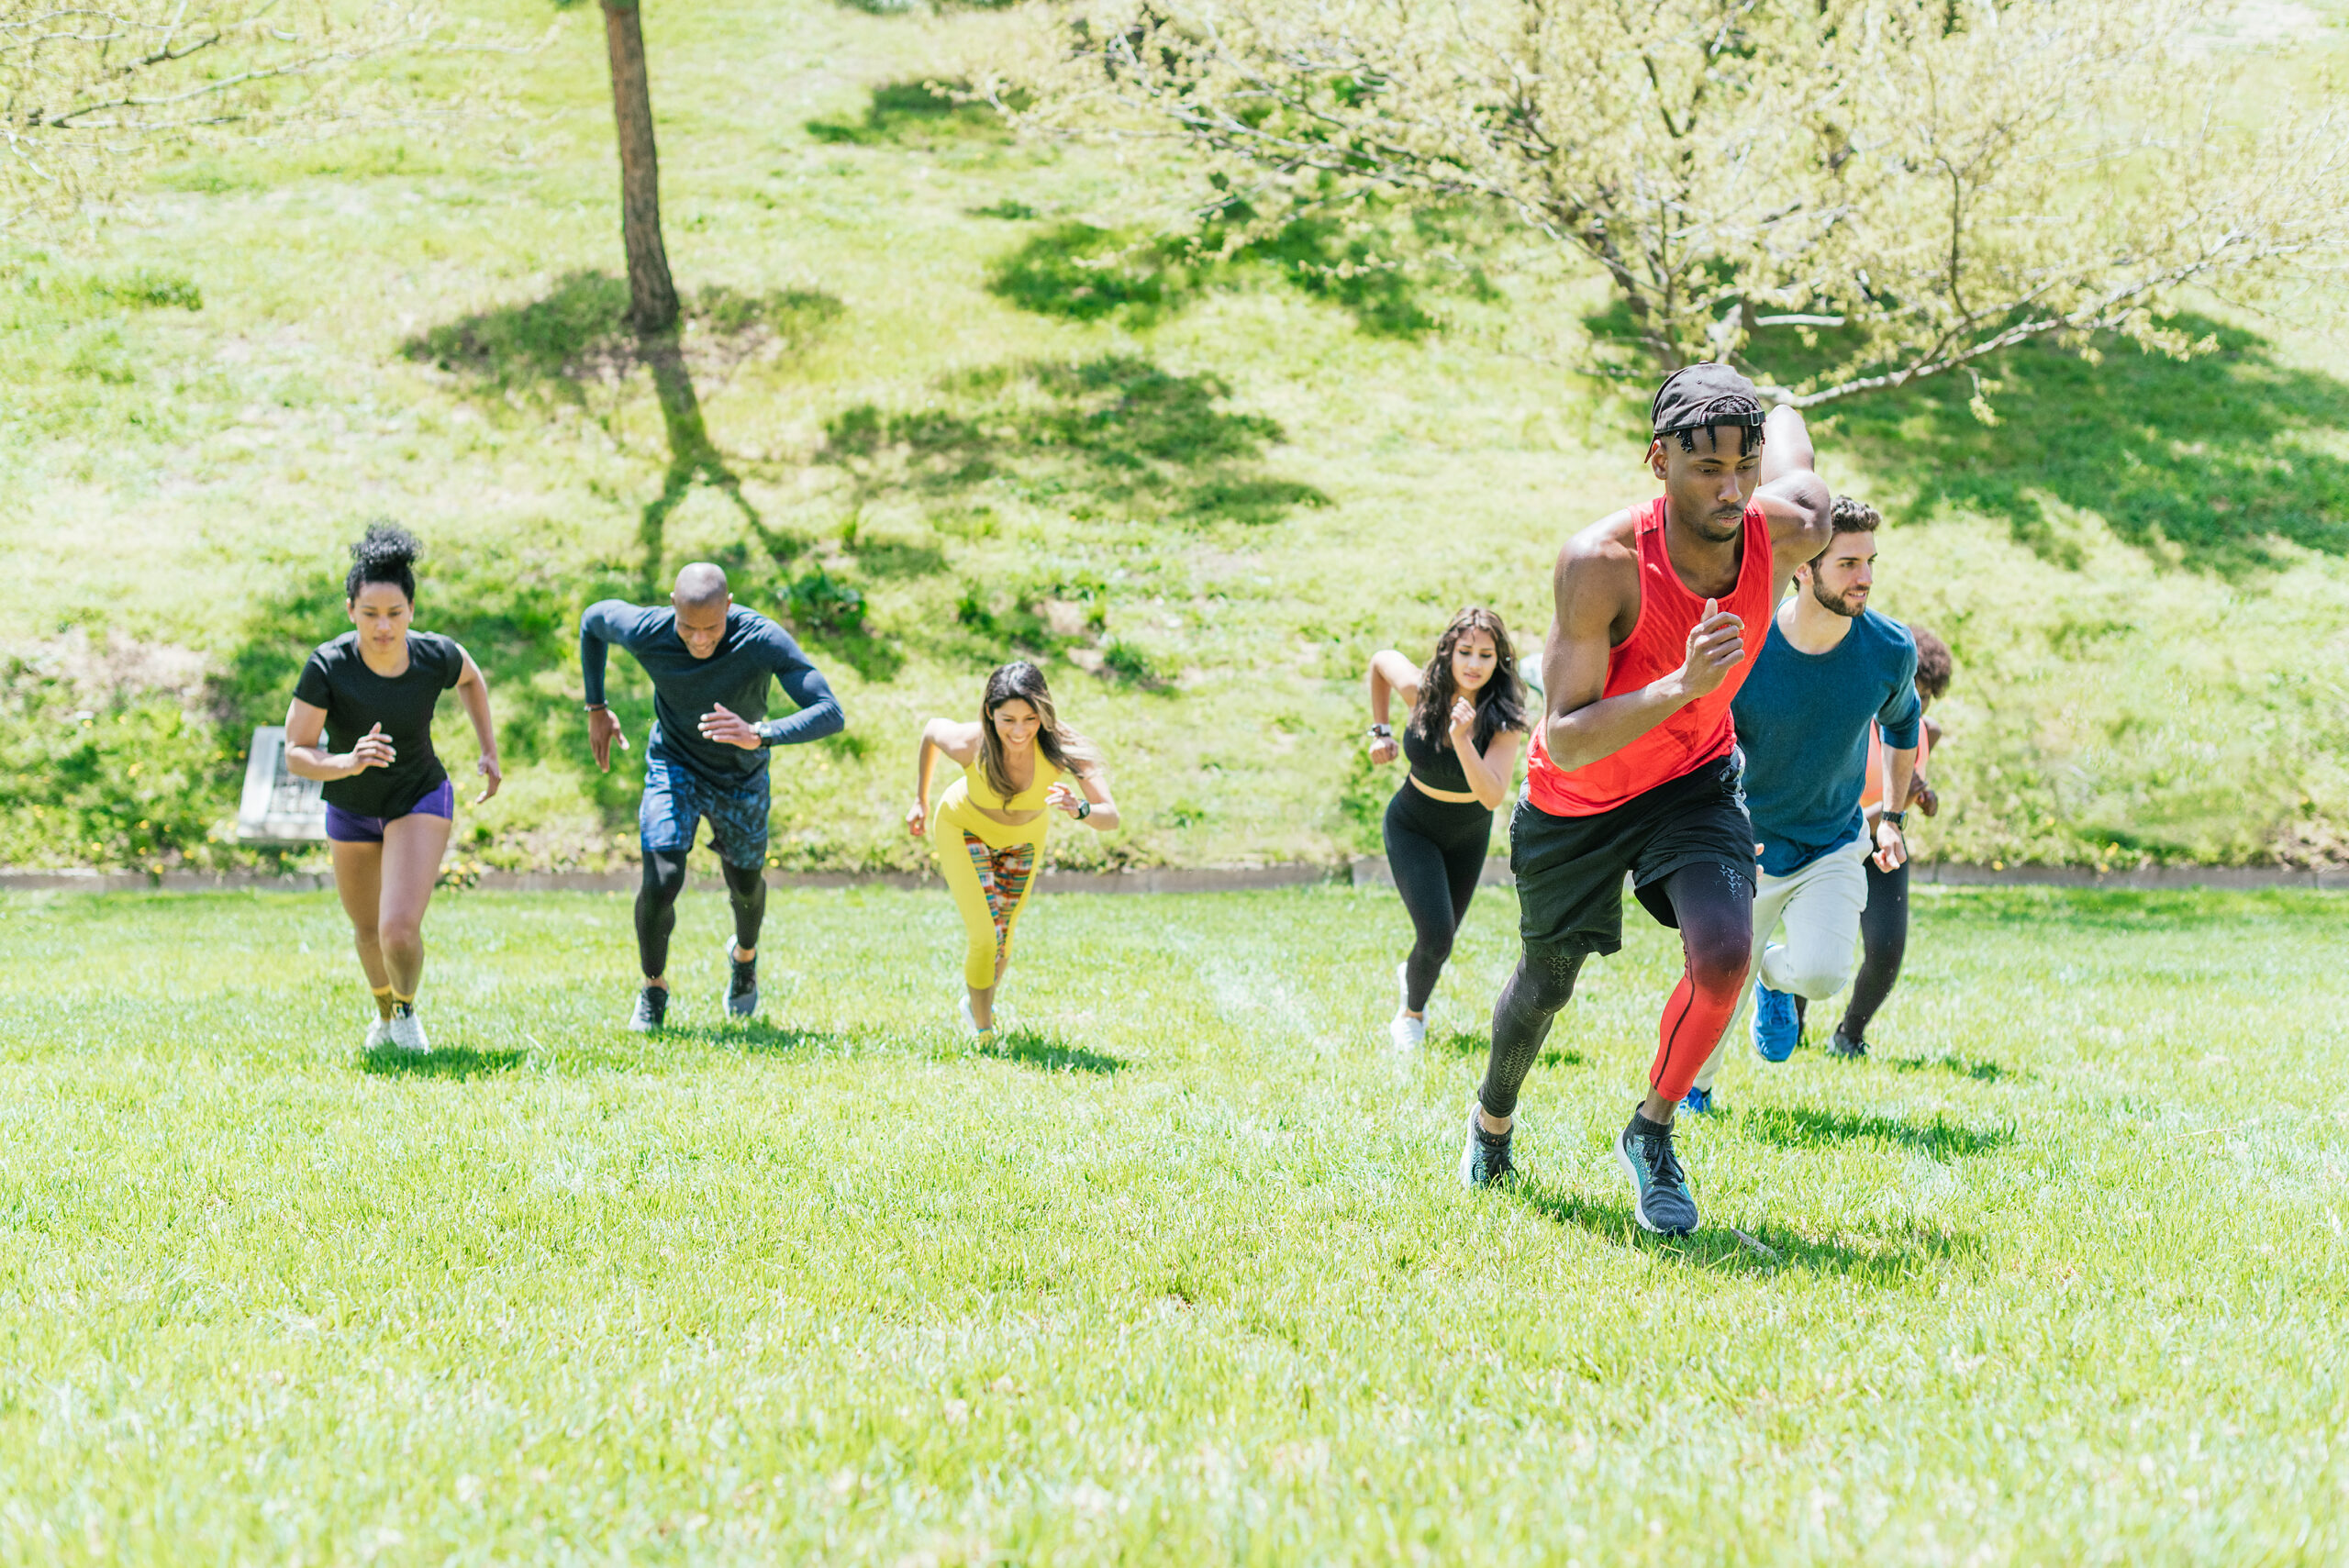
point(1080, 271)
point(1884, 1256)
point(2212, 462)
point(1049, 1053)
point(917, 113)
point(1803, 1127)
point(1118, 436)
point(459, 1061)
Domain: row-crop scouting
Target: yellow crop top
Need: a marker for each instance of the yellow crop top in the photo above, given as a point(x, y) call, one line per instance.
point(981, 794)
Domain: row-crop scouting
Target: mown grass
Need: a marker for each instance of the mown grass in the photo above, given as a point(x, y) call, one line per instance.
point(942, 397)
point(1180, 1273)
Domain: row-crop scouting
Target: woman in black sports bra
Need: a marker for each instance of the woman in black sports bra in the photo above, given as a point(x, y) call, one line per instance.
point(1467, 720)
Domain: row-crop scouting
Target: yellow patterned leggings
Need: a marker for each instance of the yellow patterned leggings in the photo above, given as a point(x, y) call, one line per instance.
point(990, 887)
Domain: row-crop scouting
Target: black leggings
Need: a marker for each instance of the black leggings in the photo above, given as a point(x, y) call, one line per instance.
point(1436, 849)
point(1883, 938)
point(656, 905)
point(1715, 910)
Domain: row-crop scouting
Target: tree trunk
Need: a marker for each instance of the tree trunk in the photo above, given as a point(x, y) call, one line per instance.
point(653, 297)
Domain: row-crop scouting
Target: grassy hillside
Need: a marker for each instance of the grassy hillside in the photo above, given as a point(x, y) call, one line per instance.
point(917, 415)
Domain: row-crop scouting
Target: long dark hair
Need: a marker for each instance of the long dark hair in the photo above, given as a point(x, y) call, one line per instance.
point(1062, 747)
point(1500, 702)
point(386, 553)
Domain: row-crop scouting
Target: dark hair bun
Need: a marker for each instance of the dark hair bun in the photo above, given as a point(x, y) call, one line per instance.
point(386, 553)
point(385, 544)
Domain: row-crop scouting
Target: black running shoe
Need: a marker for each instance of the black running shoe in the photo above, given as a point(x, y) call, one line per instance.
point(1659, 1187)
point(741, 983)
point(1840, 1044)
point(652, 1007)
point(1485, 1158)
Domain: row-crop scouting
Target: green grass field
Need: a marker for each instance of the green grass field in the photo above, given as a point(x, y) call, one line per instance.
point(914, 416)
point(1181, 1274)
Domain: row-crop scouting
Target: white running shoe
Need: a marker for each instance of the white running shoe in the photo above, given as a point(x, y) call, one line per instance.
point(407, 1032)
point(379, 1035)
point(1408, 1032)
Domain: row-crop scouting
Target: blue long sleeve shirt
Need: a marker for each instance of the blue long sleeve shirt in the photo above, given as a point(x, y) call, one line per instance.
point(753, 650)
point(1802, 720)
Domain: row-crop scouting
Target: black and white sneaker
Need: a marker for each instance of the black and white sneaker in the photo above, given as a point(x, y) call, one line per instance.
point(1483, 1159)
point(741, 982)
point(652, 1008)
point(1840, 1044)
point(1661, 1199)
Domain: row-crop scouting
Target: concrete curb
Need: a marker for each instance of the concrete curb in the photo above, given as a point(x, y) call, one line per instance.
point(1366, 872)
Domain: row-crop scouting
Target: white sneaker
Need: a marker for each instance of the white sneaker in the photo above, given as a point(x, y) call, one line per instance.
point(970, 1023)
point(379, 1035)
point(1408, 1032)
point(407, 1032)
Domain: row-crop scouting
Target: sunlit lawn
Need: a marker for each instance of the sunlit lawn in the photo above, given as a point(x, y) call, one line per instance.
point(1181, 1274)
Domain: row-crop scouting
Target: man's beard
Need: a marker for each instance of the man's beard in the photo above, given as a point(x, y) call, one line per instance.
point(1836, 606)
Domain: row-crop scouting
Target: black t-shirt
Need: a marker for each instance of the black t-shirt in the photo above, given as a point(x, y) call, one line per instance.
point(357, 700)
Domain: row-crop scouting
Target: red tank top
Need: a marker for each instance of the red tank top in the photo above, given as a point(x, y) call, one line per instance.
point(1699, 732)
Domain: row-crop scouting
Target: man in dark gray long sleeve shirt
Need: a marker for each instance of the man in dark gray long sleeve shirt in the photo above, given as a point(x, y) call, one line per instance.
point(710, 662)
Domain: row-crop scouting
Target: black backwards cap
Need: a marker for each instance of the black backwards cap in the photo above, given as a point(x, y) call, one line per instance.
point(1696, 396)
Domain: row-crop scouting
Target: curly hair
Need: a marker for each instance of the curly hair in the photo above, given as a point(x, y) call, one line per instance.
point(1500, 704)
point(1934, 665)
point(1850, 517)
point(386, 553)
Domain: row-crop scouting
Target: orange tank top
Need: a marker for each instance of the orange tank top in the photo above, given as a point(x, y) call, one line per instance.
point(1700, 732)
point(1874, 793)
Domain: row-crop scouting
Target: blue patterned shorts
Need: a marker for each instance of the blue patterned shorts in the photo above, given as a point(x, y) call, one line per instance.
point(676, 798)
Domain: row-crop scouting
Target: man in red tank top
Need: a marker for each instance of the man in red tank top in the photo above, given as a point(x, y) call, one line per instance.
point(1635, 766)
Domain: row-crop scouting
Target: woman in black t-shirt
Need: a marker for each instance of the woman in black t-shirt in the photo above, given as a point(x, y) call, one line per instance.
point(389, 803)
point(1467, 718)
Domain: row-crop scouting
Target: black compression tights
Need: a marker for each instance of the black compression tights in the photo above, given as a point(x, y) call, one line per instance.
point(656, 905)
point(1884, 938)
point(1715, 909)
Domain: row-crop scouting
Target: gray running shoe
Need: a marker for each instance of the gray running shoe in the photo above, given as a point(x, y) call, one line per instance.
point(1483, 1159)
point(741, 983)
point(1840, 1044)
point(652, 1007)
point(1661, 1201)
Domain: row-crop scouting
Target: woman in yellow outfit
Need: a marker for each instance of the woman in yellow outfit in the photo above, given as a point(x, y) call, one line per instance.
point(989, 825)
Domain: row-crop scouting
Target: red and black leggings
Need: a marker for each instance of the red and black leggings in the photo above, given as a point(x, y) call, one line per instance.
point(1713, 906)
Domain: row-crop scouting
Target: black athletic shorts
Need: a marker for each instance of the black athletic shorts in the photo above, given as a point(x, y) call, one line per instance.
point(1569, 870)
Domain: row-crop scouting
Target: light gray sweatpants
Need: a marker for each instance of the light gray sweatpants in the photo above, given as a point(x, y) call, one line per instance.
point(1821, 906)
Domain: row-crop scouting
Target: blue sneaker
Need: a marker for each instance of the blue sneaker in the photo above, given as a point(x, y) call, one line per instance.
point(1698, 1100)
point(1775, 1029)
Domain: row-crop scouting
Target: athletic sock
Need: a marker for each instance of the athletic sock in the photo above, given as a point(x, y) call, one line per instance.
point(382, 995)
point(1643, 1128)
point(401, 1006)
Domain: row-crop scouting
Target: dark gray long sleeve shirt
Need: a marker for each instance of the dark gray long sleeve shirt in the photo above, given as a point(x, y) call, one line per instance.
point(753, 650)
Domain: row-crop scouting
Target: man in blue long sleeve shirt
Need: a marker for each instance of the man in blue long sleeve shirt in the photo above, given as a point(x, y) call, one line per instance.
point(1828, 668)
point(710, 662)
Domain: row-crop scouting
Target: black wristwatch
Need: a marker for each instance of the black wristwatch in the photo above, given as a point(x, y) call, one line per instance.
point(1382, 732)
point(1899, 819)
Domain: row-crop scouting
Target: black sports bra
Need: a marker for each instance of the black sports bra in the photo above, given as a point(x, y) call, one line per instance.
point(1436, 766)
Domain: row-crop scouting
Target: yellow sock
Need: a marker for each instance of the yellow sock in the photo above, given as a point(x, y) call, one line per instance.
point(382, 1000)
